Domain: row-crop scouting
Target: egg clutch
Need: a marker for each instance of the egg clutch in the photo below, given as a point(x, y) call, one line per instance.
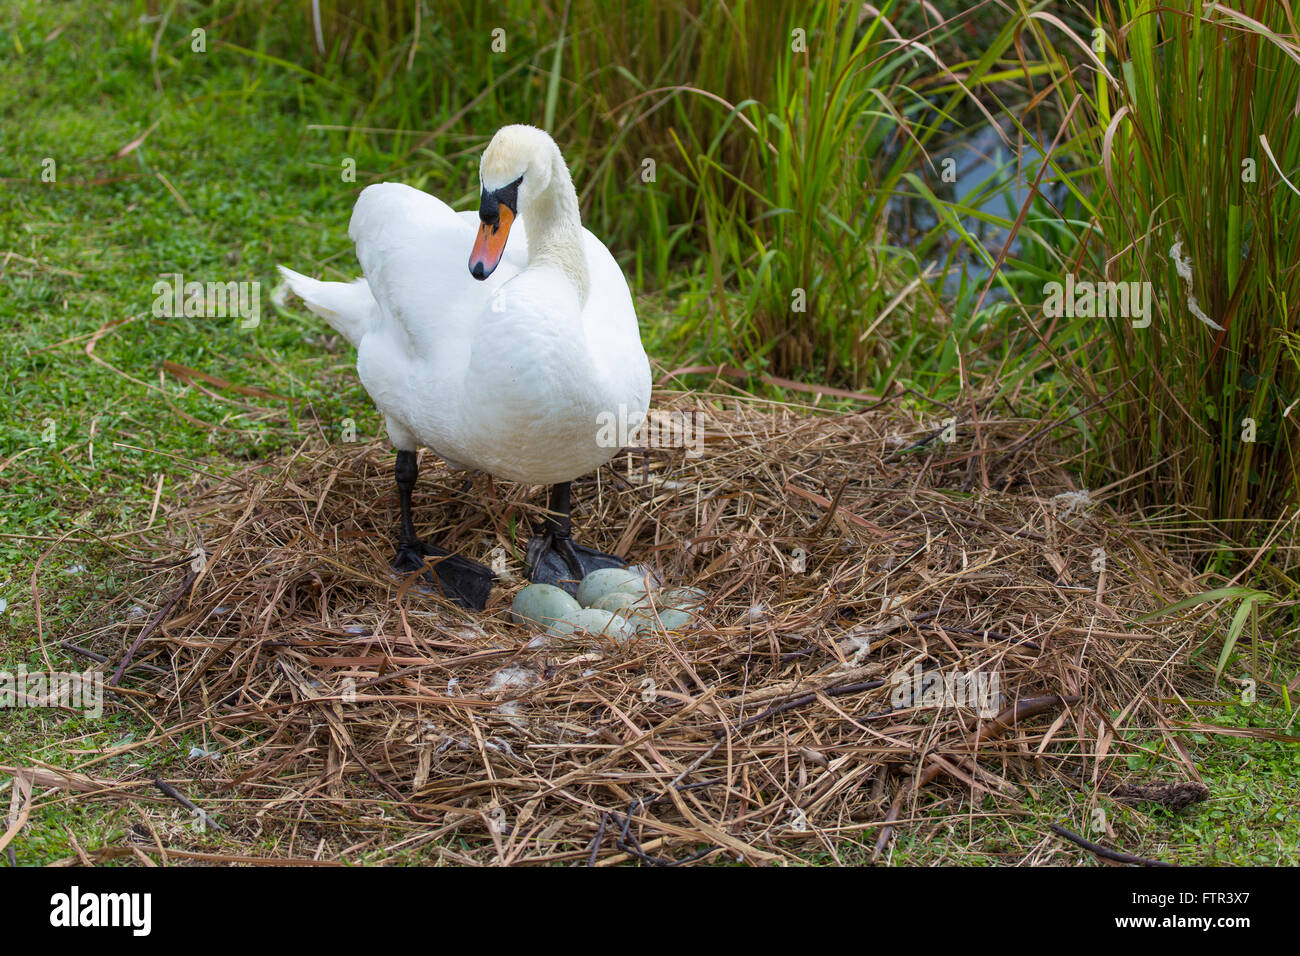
point(622, 604)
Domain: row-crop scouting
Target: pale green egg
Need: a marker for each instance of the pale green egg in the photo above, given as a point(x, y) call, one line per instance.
point(559, 628)
point(674, 619)
point(621, 602)
point(603, 580)
point(596, 621)
point(542, 604)
point(647, 624)
point(673, 610)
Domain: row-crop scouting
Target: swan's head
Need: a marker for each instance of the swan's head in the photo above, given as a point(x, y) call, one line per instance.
point(514, 171)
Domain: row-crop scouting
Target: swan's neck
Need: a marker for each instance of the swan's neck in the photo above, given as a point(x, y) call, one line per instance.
point(555, 229)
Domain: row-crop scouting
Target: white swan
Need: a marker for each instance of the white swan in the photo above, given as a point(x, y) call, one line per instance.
point(524, 373)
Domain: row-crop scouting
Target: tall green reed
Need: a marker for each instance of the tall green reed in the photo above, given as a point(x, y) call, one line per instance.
point(1182, 135)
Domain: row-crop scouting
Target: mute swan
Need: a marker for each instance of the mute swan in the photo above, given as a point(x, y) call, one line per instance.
point(517, 367)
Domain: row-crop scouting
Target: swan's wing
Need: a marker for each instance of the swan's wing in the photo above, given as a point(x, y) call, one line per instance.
point(414, 251)
point(347, 306)
point(611, 328)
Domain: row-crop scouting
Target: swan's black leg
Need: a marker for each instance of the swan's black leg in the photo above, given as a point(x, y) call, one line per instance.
point(405, 472)
point(554, 558)
point(463, 581)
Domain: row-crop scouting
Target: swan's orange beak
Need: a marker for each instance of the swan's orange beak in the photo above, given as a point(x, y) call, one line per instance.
point(491, 243)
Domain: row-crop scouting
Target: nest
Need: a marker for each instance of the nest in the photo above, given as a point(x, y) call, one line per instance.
point(898, 613)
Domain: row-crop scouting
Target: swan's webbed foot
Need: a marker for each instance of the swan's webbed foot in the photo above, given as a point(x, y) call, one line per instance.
point(466, 582)
point(555, 559)
point(459, 579)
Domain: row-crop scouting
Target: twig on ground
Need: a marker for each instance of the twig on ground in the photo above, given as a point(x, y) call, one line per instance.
point(186, 802)
point(152, 626)
point(1103, 852)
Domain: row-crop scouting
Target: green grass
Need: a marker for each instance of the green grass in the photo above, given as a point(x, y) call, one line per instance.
point(232, 180)
point(1172, 146)
point(87, 250)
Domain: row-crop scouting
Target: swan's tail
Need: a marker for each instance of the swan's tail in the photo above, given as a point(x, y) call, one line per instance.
point(349, 307)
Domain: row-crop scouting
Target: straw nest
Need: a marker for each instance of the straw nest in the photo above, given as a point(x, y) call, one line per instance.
point(837, 552)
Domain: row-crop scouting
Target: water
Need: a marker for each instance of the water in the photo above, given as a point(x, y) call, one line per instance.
point(989, 176)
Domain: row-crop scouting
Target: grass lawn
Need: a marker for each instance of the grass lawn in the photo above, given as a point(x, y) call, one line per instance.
point(106, 421)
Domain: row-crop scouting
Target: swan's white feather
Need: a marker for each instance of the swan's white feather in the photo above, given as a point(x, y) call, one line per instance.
point(349, 307)
point(510, 375)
